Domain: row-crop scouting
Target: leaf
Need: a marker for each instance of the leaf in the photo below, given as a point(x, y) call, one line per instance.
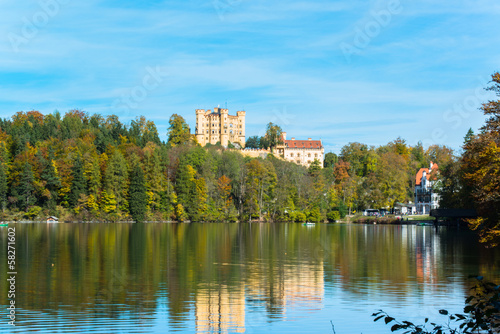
point(444, 312)
point(426, 320)
point(468, 308)
point(378, 318)
point(388, 319)
point(395, 327)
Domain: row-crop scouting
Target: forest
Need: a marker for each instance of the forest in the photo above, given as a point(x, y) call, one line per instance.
point(93, 167)
point(90, 167)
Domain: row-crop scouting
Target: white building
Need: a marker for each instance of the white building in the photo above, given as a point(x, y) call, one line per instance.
point(425, 197)
point(302, 152)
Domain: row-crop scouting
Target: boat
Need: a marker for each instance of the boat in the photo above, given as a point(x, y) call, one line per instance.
point(4, 224)
point(309, 224)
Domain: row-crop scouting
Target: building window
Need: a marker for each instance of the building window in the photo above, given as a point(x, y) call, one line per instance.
point(309, 155)
point(315, 155)
point(298, 155)
point(291, 155)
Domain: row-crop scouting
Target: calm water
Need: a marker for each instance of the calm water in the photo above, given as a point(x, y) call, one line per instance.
point(235, 278)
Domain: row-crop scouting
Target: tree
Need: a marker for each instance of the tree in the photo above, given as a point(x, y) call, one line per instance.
point(3, 186)
point(51, 179)
point(273, 135)
point(468, 136)
point(26, 188)
point(116, 179)
point(137, 193)
point(78, 186)
point(253, 142)
point(330, 160)
point(178, 132)
point(480, 165)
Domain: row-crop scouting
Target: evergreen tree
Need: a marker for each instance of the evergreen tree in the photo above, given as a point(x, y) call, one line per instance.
point(3, 186)
point(137, 192)
point(51, 179)
point(78, 185)
point(468, 136)
point(26, 189)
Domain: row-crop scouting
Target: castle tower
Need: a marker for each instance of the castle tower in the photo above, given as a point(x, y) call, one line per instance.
point(200, 127)
point(224, 123)
point(241, 127)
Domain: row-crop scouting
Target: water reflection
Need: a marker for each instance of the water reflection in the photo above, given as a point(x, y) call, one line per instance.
point(218, 278)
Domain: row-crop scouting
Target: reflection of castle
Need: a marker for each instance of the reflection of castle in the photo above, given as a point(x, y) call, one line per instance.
point(220, 310)
point(300, 285)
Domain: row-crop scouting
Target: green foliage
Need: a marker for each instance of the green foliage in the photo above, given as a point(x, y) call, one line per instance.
point(178, 132)
point(137, 193)
point(78, 186)
point(330, 159)
point(481, 315)
point(253, 142)
point(333, 216)
point(273, 135)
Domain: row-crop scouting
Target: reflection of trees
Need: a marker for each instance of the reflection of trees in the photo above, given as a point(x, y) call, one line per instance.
point(109, 269)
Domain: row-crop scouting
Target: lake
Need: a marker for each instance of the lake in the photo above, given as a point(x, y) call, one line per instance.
point(235, 278)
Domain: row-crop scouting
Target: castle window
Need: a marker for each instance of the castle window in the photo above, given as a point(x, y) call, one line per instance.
point(298, 155)
point(315, 155)
point(291, 155)
point(225, 131)
point(309, 155)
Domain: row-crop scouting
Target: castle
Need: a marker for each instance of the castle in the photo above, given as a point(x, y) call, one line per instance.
point(219, 126)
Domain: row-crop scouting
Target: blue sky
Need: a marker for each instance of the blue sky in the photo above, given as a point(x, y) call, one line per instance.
point(340, 71)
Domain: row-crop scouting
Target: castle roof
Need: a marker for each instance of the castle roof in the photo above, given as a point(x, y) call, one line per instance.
point(418, 180)
point(303, 144)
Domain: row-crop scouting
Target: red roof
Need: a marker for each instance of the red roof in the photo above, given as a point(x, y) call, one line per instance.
point(418, 179)
point(303, 143)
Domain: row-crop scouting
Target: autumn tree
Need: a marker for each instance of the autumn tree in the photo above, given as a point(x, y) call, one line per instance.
point(178, 132)
point(481, 169)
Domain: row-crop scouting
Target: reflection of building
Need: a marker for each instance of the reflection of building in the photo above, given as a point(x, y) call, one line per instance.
point(425, 197)
point(302, 152)
point(219, 126)
point(220, 310)
point(301, 285)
